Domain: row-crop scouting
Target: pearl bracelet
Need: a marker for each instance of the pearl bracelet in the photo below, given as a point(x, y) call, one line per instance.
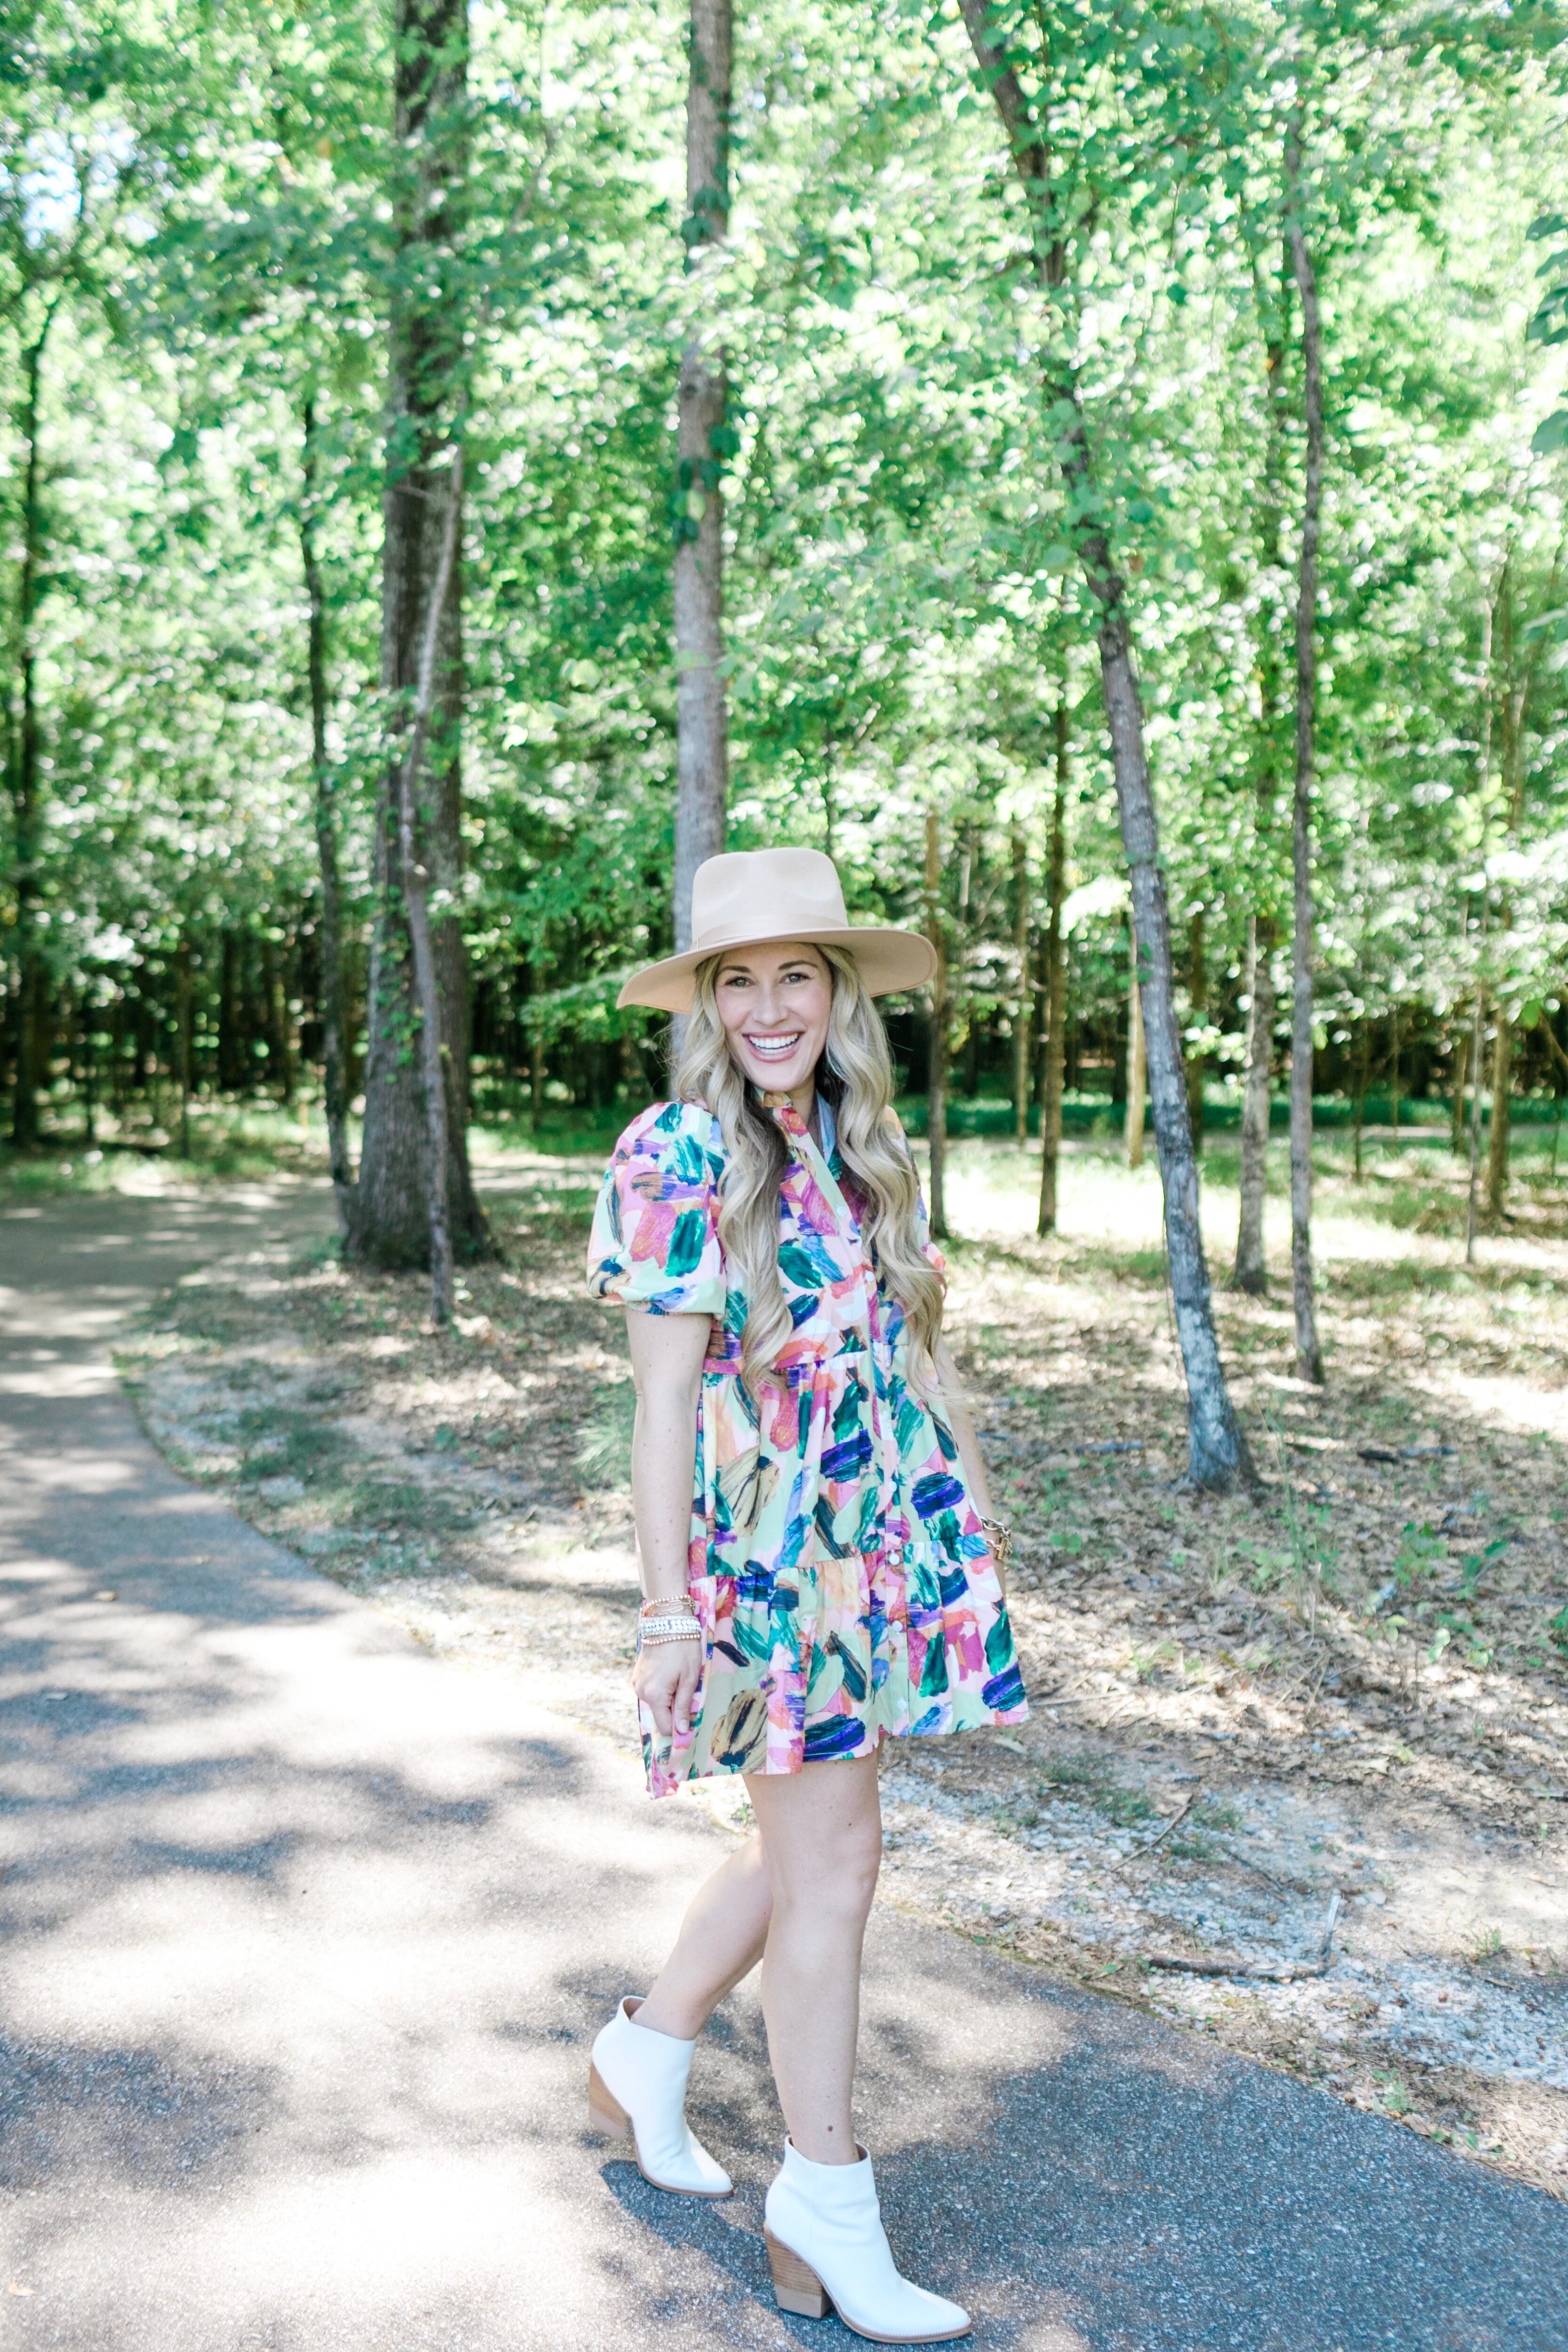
point(652, 1631)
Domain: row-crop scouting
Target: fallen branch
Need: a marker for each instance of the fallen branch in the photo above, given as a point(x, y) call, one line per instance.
point(1225, 1964)
point(1150, 1843)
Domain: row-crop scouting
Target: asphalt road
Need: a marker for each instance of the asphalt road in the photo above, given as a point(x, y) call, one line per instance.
point(307, 1933)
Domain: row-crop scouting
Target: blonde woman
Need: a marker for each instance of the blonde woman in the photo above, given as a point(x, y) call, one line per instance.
point(821, 1567)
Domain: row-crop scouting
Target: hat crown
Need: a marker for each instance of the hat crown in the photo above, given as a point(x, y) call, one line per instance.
point(747, 894)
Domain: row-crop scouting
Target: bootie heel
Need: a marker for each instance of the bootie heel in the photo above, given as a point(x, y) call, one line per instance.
point(605, 2115)
point(797, 2286)
point(637, 2091)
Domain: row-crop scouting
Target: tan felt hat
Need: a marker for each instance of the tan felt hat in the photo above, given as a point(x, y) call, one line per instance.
point(755, 897)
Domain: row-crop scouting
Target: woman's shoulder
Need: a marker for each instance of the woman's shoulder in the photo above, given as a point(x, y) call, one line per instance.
point(683, 1136)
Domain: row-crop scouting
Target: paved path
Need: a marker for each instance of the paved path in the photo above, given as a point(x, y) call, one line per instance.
point(307, 1934)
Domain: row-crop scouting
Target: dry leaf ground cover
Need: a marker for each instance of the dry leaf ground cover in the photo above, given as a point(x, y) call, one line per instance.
point(1296, 1772)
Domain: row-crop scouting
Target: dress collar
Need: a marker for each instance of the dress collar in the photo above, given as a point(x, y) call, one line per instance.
point(789, 1119)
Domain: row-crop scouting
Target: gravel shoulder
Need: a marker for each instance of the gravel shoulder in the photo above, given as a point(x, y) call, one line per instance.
point(1297, 1770)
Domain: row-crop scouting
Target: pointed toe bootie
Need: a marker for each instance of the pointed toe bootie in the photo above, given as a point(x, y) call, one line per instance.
point(637, 2091)
point(829, 2253)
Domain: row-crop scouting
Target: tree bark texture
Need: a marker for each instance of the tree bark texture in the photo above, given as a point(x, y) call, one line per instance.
point(1478, 1018)
point(391, 1217)
point(1308, 1353)
point(1056, 981)
point(1137, 1057)
point(1515, 695)
point(22, 746)
point(1251, 1273)
point(936, 1080)
point(702, 742)
point(415, 883)
point(1217, 1452)
point(334, 1050)
point(1021, 1019)
point(1198, 1011)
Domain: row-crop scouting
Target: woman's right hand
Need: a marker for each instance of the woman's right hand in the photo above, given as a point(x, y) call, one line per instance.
point(665, 1679)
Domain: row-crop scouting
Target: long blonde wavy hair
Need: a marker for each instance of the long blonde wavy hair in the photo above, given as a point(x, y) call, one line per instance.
point(856, 1075)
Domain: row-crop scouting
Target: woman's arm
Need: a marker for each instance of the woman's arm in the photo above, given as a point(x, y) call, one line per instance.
point(956, 1413)
point(667, 1352)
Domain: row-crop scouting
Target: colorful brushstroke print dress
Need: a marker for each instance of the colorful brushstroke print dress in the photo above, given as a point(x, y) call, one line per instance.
point(838, 1565)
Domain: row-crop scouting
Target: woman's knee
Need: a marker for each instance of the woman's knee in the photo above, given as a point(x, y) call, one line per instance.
point(836, 1872)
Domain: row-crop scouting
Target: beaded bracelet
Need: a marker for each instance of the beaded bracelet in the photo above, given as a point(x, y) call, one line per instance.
point(652, 1631)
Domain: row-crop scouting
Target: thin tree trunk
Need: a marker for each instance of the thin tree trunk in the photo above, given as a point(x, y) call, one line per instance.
point(1056, 981)
point(1021, 1060)
point(26, 1075)
point(702, 747)
point(1137, 1057)
point(1308, 1354)
point(415, 891)
point(333, 1039)
point(1458, 1047)
point(1363, 1054)
point(1393, 1070)
point(1478, 1091)
point(1217, 1452)
point(1251, 1273)
point(1477, 1024)
point(936, 1081)
point(87, 1016)
point(182, 1041)
point(1514, 693)
point(1198, 1008)
point(391, 1216)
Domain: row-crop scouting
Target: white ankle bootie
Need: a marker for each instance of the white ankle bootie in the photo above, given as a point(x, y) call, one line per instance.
point(829, 2253)
point(637, 2091)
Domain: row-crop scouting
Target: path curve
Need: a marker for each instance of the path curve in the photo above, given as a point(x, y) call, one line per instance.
point(307, 1932)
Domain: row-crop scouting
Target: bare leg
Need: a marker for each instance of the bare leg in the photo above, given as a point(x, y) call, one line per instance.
point(821, 1835)
point(721, 1941)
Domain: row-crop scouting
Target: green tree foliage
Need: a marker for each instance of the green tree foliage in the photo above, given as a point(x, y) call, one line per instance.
point(196, 225)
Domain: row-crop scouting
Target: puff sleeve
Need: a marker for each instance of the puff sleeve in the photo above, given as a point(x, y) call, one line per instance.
point(655, 1242)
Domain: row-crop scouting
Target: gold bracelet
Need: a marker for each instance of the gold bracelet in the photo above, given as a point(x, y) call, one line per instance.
point(663, 1603)
point(1000, 1540)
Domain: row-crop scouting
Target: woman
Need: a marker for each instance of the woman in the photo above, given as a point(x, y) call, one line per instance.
point(821, 1567)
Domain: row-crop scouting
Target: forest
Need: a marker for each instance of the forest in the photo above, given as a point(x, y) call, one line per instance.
point(1097, 470)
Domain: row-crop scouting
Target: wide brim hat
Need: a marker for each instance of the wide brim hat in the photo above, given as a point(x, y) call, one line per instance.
point(766, 898)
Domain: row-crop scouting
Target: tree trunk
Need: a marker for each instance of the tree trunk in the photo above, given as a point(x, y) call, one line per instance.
point(1308, 1354)
point(27, 1072)
point(1478, 1018)
point(1363, 1056)
point(391, 1217)
point(1217, 1455)
point(1055, 983)
point(936, 1081)
point(1251, 1273)
point(1021, 1057)
point(1394, 1071)
point(702, 444)
point(1137, 1057)
point(1512, 713)
point(182, 1041)
point(1478, 1090)
point(334, 1038)
point(415, 865)
point(1198, 1008)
